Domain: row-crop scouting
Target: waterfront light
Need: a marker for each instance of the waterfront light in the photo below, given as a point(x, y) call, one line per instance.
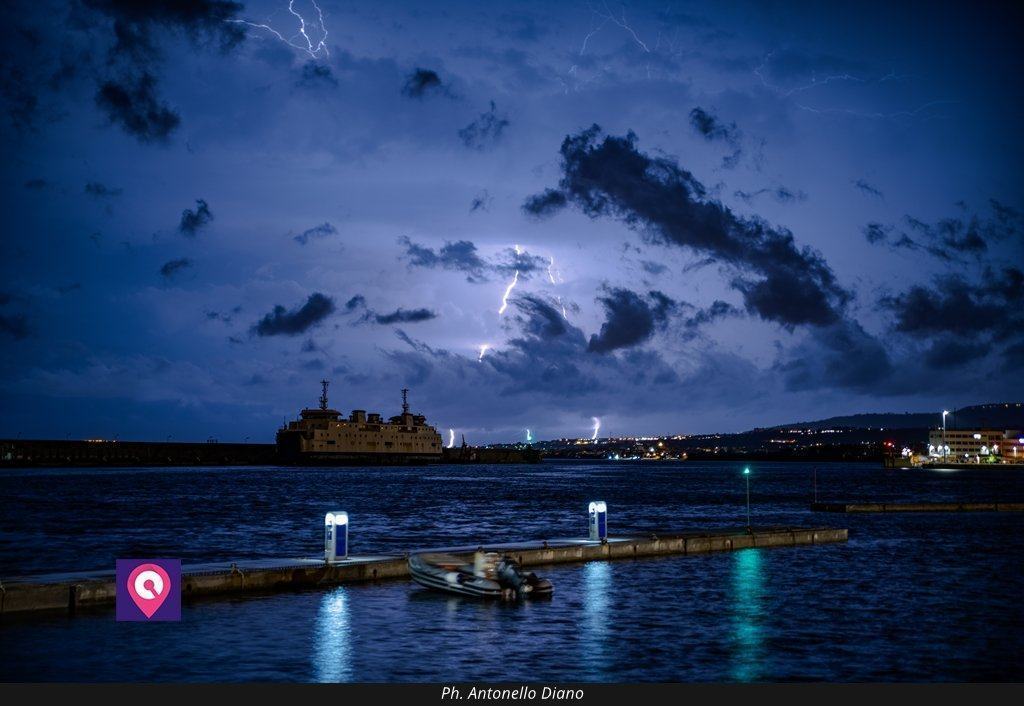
point(746, 475)
point(597, 516)
point(335, 535)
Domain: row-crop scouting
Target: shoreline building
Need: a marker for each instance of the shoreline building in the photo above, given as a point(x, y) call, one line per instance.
point(976, 445)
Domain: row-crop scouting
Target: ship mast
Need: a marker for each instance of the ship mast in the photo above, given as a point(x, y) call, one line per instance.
point(405, 400)
point(323, 396)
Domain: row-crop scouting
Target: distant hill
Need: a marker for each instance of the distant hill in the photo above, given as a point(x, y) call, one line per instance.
point(1000, 415)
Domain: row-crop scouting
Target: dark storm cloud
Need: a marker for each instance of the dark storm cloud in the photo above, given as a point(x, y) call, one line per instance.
point(398, 316)
point(629, 319)
point(98, 190)
point(284, 322)
point(132, 103)
point(316, 75)
point(712, 129)
point(15, 326)
point(780, 281)
point(194, 221)
point(512, 260)
point(131, 99)
point(868, 189)
point(323, 230)
point(540, 317)
point(841, 355)
point(962, 320)
point(173, 267)
point(404, 316)
point(995, 305)
point(1008, 217)
point(460, 256)
point(19, 94)
point(950, 352)
point(948, 239)
point(423, 82)
point(545, 203)
point(1013, 359)
point(876, 232)
point(480, 202)
point(718, 309)
point(223, 317)
point(68, 288)
point(485, 131)
point(36, 184)
point(779, 193)
point(135, 23)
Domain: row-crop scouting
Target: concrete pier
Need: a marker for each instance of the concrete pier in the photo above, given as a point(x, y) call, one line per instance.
point(917, 507)
point(79, 590)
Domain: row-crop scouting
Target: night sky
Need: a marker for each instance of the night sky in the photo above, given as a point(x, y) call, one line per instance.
point(712, 216)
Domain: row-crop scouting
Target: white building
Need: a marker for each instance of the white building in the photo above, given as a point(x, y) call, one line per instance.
point(976, 445)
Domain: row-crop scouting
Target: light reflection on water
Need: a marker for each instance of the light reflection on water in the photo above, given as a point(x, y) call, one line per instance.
point(597, 585)
point(748, 618)
point(332, 645)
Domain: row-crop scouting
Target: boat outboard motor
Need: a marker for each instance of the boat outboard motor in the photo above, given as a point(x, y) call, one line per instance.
point(510, 576)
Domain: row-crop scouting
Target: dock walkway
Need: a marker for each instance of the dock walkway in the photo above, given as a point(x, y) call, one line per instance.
point(917, 507)
point(72, 590)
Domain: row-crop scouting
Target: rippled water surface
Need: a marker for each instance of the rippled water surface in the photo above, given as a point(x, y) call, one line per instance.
point(910, 597)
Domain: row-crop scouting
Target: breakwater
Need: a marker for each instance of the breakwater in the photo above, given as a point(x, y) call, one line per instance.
point(917, 507)
point(35, 453)
point(78, 590)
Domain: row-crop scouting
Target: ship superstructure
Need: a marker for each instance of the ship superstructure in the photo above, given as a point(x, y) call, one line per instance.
point(322, 435)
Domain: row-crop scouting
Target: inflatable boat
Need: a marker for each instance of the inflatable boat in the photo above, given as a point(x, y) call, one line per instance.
point(489, 576)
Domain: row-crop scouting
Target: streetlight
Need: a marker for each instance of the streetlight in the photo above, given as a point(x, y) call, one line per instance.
point(746, 474)
point(944, 413)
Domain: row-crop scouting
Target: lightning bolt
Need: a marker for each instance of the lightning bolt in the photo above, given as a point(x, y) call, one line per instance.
point(451, 438)
point(508, 291)
point(817, 81)
point(512, 284)
point(313, 50)
point(597, 428)
point(608, 17)
point(529, 437)
point(484, 347)
point(551, 277)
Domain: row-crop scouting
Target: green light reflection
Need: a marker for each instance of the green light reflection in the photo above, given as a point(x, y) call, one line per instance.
point(748, 615)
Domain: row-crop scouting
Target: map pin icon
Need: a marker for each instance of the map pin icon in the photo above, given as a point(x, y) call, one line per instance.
point(149, 586)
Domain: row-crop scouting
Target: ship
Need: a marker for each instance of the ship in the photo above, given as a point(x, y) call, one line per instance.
point(322, 436)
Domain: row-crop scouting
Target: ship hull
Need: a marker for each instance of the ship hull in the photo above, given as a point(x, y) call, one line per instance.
point(358, 459)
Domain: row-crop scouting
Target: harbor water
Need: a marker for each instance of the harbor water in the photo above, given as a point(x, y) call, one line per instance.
point(910, 597)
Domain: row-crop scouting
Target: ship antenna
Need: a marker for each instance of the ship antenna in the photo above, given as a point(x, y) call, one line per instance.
point(323, 396)
point(405, 400)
